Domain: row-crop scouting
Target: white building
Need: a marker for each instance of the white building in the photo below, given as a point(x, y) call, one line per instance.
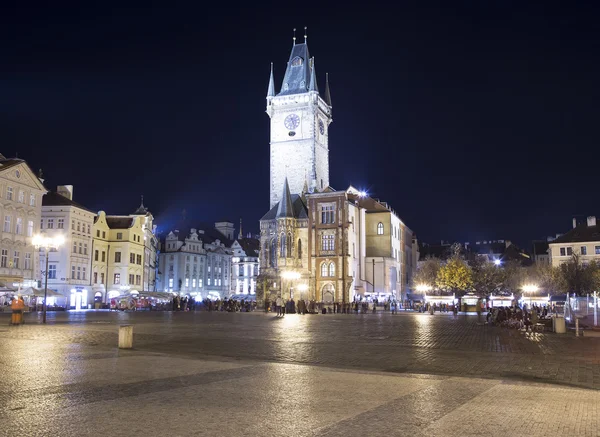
point(69, 267)
point(21, 194)
point(197, 262)
point(245, 265)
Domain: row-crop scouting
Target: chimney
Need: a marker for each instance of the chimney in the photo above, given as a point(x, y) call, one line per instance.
point(591, 220)
point(574, 222)
point(65, 191)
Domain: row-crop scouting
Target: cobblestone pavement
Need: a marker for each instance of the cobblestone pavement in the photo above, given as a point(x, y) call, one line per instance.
point(249, 374)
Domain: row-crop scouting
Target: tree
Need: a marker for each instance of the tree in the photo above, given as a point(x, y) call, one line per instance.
point(514, 277)
point(575, 277)
point(455, 277)
point(427, 272)
point(488, 278)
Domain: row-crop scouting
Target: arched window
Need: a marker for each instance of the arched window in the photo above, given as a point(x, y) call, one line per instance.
point(299, 249)
point(289, 245)
point(273, 255)
point(331, 269)
point(328, 293)
point(297, 61)
point(282, 246)
point(379, 228)
point(324, 270)
point(266, 252)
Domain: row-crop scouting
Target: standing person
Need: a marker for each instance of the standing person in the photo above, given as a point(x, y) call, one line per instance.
point(279, 305)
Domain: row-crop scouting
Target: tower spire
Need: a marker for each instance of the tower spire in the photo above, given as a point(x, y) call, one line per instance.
point(313, 80)
point(304, 34)
point(240, 236)
point(327, 92)
point(271, 90)
point(285, 207)
point(294, 39)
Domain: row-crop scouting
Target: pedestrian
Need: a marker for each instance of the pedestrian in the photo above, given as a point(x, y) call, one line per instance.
point(279, 305)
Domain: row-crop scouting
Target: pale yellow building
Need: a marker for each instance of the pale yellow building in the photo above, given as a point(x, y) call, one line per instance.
point(21, 194)
point(118, 256)
point(582, 240)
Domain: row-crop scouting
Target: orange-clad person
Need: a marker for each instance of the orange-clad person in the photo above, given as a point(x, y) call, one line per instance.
point(17, 308)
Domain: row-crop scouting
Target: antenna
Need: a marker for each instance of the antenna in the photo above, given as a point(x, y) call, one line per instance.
point(305, 34)
point(294, 39)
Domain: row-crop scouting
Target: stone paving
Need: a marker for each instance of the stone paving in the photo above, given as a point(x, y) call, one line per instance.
point(322, 375)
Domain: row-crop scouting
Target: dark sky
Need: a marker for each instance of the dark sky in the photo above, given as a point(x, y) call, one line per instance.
point(474, 120)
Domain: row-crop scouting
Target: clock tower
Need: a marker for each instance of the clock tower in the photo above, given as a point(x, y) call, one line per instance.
point(300, 119)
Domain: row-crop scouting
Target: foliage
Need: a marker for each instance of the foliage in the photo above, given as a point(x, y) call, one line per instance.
point(488, 278)
point(455, 277)
point(575, 277)
point(427, 272)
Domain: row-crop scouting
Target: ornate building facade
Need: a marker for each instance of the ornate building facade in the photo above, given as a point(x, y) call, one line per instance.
point(318, 243)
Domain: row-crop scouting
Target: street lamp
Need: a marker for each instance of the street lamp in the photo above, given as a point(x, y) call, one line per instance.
point(530, 288)
point(290, 276)
point(424, 288)
point(42, 241)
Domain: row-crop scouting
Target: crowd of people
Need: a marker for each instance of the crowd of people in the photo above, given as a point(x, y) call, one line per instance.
point(517, 317)
point(301, 306)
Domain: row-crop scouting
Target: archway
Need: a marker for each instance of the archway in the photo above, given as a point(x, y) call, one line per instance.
point(328, 294)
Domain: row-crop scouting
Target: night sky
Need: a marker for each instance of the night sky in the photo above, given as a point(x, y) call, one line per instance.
point(474, 120)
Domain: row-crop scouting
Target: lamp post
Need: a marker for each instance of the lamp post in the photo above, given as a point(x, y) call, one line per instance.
point(44, 242)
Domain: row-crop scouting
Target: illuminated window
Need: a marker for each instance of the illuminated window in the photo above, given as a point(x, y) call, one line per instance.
point(331, 269)
point(327, 242)
point(297, 61)
point(379, 228)
point(19, 226)
point(327, 214)
point(117, 278)
point(324, 270)
point(30, 228)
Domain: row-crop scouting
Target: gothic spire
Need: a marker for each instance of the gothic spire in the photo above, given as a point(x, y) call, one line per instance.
point(271, 90)
point(285, 207)
point(327, 92)
point(240, 236)
point(313, 80)
point(297, 73)
point(142, 210)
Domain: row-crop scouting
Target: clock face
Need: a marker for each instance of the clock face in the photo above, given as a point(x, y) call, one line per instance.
point(292, 121)
point(321, 127)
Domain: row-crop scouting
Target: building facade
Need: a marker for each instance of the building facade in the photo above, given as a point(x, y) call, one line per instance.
point(315, 242)
point(70, 266)
point(21, 194)
point(118, 256)
point(582, 240)
point(245, 265)
point(198, 262)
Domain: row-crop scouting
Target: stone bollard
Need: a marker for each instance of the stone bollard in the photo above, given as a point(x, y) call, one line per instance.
point(125, 337)
point(576, 327)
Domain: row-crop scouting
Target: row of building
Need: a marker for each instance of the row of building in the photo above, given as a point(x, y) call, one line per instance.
point(103, 256)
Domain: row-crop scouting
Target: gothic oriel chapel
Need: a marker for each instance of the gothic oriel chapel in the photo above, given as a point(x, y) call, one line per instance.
point(318, 243)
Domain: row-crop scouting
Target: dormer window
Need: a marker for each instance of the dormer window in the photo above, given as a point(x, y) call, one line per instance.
point(302, 84)
point(297, 61)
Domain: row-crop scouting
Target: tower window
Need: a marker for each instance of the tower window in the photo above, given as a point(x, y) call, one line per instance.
point(379, 228)
point(297, 61)
point(291, 133)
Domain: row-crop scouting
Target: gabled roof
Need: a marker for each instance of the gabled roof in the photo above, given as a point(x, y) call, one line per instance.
point(582, 233)
point(52, 198)
point(119, 222)
point(6, 163)
point(298, 207)
point(251, 246)
point(298, 72)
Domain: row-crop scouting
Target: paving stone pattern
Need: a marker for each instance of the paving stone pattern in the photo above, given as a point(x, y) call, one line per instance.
point(215, 374)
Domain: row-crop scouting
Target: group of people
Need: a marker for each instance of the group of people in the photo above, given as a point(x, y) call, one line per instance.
point(229, 305)
point(516, 317)
point(301, 306)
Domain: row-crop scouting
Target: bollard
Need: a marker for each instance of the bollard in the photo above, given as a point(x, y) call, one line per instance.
point(125, 337)
point(576, 327)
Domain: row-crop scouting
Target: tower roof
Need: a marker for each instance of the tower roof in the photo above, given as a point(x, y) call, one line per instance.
point(271, 90)
point(327, 92)
point(285, 207)
point(298, 71)
point(142, 210)
point(313, 79)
